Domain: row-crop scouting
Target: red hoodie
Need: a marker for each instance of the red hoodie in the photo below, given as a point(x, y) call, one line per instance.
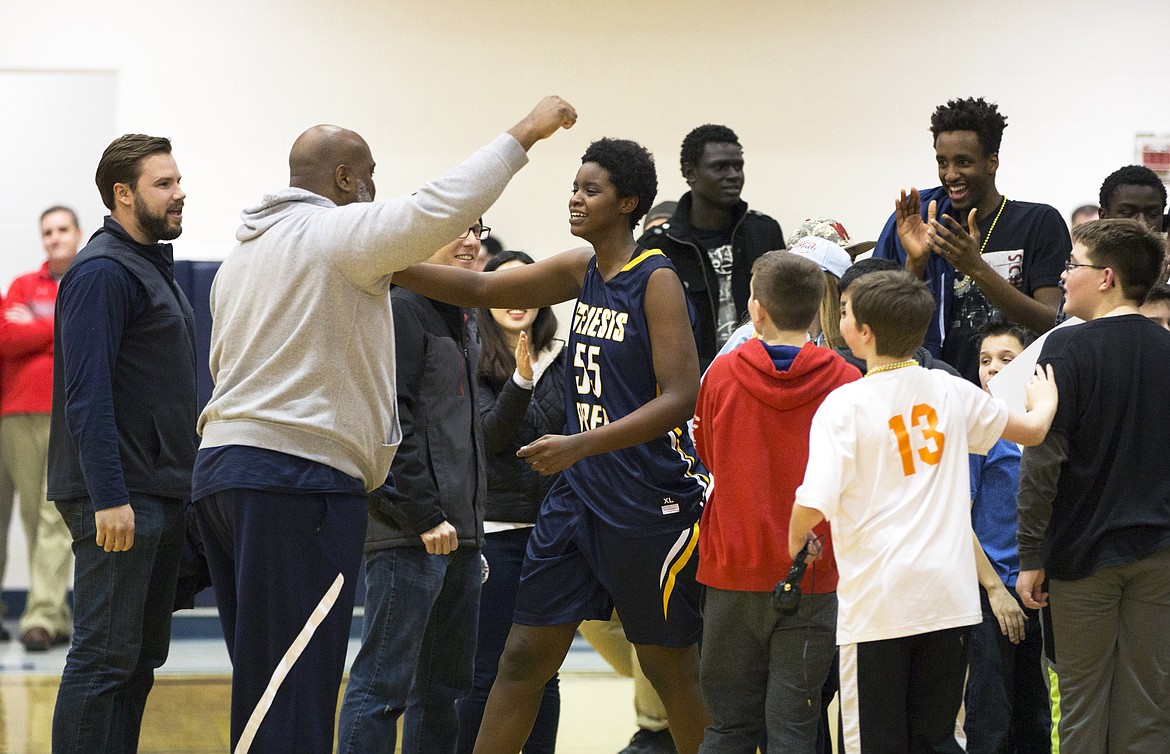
point(751, 431)
point(27, 348)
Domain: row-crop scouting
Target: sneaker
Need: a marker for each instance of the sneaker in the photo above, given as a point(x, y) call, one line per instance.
point(36, 639)
point(651, 742)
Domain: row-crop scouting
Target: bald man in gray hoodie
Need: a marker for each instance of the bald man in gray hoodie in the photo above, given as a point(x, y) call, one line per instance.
point(302, 422)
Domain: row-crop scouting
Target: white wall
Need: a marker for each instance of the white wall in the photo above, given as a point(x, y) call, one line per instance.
point(831, 99)
point(57, 122)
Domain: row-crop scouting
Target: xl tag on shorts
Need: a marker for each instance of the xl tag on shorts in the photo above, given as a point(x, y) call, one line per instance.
point(669, 506)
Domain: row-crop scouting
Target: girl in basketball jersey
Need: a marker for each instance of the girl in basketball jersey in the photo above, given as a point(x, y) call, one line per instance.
point(619, 527)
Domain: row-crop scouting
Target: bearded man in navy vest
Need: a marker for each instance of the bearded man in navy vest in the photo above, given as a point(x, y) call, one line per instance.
point(122, 444)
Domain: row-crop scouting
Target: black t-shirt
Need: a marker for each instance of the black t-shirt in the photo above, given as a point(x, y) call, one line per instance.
point(1028, 246)
point(716, 244)
point(1112, 502)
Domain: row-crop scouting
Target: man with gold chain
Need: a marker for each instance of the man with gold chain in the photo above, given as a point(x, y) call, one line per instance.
point(986, 258)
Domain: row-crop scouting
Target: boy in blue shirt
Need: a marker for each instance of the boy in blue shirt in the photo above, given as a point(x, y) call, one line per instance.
point(1007, 696)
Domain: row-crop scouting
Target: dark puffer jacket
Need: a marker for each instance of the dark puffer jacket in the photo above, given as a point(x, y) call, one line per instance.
point(437, 474)
point(752, 234)
point(513, 417)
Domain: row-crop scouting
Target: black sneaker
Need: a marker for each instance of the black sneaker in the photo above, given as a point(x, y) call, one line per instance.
point(651, 742)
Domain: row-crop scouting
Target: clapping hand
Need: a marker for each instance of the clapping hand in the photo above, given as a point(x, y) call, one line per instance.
point(523, 357)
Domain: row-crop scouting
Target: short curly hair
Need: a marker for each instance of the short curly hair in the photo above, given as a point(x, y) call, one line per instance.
point(692, 146)
point(1131, 175)
point(971, 114)
point(631, 169)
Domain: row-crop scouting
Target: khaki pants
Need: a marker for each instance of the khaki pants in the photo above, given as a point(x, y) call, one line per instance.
point(1112, 652)
point(24, 453)
point(609, 639)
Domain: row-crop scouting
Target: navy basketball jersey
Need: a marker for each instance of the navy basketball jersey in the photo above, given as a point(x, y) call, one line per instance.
point(650, 488)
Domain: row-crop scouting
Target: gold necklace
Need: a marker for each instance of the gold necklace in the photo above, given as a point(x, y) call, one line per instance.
point(962, 283)
point(991, 230)
point(892, 367)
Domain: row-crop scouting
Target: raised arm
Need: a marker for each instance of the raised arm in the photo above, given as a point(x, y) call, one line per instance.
point(676, 367)
point(502, 411)
point(368, 241)
point(960, 247)
point(550, 115)
point(913, 232)
point(530, 286)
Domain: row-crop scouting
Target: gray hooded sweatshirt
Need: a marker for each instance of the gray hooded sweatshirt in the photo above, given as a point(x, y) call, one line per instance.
point(302, 339)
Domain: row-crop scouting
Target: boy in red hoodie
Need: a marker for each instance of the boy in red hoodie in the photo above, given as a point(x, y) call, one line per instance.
point(761, 669)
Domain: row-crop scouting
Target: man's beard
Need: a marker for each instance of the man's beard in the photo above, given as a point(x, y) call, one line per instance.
point(363, 192)
point(155, 226)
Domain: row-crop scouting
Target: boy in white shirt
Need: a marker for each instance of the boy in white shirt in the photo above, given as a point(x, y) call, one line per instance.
point(888, 467)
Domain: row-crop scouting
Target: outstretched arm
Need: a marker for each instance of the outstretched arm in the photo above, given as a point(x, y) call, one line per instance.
point(676, 367)
point(530, 286)
point(1031, 428)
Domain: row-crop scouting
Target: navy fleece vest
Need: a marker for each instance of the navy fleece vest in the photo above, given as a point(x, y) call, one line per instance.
point(155, 401)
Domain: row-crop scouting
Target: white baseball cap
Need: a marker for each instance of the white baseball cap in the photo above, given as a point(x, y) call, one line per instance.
point(829, 256)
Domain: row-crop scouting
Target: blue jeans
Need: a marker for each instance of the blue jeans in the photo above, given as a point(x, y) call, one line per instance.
point(122, 604)
point(417, 654)
point(504, 551)
point(1007, 694)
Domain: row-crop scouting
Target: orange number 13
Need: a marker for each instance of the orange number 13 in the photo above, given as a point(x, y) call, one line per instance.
point(924, 418)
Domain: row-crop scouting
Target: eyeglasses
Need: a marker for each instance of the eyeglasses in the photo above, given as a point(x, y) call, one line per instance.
point(479, 231)
point(1069, 266)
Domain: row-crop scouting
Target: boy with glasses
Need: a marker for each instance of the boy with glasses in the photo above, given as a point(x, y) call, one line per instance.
point(1094, 504)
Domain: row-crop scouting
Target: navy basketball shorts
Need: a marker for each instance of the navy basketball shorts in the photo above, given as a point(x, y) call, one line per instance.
point(577, 568)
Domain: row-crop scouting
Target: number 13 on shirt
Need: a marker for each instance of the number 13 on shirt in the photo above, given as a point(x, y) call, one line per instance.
point(924, 419)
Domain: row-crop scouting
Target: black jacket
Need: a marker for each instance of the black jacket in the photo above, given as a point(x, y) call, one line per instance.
point(438, 471)
point(152, 384)
point(753, 234)
point(513, 417)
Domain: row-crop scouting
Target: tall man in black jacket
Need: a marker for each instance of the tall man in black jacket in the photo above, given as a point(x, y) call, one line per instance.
point(713, 238)
point(122, 445)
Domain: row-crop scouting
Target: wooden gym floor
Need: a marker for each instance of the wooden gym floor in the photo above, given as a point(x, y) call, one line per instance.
point(188, 714)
